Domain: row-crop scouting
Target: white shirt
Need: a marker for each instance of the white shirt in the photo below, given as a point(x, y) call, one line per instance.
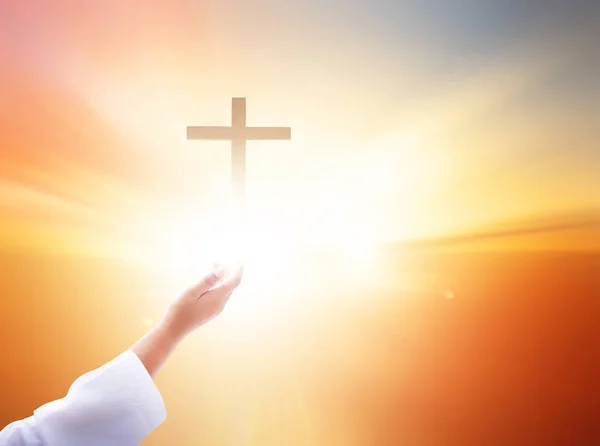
point(117, 404)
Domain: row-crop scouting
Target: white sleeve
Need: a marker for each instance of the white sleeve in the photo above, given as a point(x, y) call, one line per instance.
point(116, 404)
point(21, 433)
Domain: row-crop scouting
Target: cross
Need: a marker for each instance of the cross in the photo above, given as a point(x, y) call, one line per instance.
point(238, 134)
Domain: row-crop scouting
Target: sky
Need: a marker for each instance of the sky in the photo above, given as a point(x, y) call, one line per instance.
point(409, 119)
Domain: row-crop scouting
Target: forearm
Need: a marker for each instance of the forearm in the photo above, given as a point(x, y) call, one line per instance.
point(155, 347)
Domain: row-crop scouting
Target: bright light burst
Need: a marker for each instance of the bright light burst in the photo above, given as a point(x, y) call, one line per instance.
point(280, 264)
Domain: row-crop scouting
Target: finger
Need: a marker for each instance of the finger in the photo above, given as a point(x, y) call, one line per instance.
point(235, 278)
point(208, 281)
point(226, 297)
point(228, 286)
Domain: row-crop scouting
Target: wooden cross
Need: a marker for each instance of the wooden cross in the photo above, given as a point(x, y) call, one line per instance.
point(238, 134)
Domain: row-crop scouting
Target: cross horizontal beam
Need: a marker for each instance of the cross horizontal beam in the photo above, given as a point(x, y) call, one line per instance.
point(221, 133)
point(238, 134)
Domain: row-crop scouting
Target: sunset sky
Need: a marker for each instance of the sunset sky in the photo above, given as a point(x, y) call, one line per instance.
point(409, 119)
point(432, 123)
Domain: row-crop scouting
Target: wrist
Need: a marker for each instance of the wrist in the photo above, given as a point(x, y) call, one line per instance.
point(171, 330)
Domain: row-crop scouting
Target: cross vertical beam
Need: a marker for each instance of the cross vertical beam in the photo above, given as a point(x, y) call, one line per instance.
point(238, 150)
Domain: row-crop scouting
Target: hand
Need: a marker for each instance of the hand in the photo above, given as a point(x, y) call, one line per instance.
point(202, 302)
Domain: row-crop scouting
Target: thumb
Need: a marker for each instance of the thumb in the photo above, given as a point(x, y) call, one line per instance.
point(208, 281)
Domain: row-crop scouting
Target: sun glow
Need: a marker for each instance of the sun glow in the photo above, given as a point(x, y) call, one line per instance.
point(285, 270)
